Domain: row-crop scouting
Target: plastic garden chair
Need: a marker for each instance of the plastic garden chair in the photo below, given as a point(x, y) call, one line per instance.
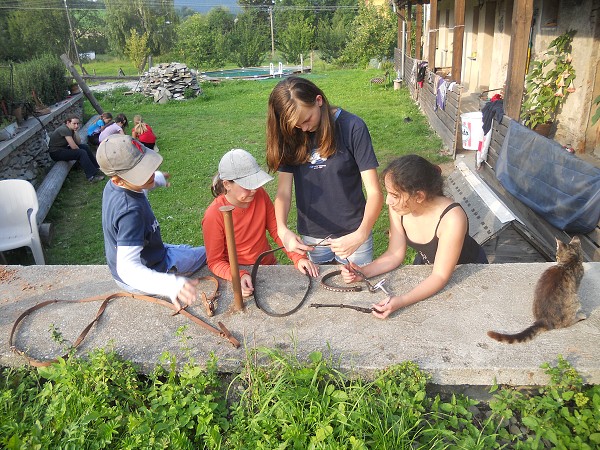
point(18, 218)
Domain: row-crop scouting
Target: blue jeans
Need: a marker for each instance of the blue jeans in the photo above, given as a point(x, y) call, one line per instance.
point(84, 155)
point(323, 255)
point(181, 260)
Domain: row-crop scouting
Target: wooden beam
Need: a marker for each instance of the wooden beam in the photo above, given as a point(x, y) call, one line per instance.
point(419, 32)
point(408, 28)
point(82, 84)
point(458, 41)
point(433, 33)
point(522, 14)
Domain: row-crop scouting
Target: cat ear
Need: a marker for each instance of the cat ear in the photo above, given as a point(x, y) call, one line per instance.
point(558, 243)
point(575, 240)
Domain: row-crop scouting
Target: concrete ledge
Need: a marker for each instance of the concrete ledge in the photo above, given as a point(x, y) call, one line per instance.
point(31, 126)
point(445, 335)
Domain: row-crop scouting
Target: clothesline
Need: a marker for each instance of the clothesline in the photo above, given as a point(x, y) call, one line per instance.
point(451, 28)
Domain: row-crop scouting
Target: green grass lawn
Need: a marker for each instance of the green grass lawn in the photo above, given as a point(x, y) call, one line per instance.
point(194, 134)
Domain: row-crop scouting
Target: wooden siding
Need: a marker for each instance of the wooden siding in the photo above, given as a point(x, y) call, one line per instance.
point(445, 122)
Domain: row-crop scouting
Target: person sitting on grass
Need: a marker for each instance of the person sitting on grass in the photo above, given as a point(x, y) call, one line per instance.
point(65, 145)
point(422, 217)
point(143, 132)
point(114, 128)
point(239, 184)
point(98, 127)
point(137, 257)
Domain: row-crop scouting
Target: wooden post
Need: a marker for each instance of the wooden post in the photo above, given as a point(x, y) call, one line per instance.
point(419, 32)
point(238, 302)
point(517, 59)
point(433, 33)
point(82, 84)
point(459, 33)
point(408, 20)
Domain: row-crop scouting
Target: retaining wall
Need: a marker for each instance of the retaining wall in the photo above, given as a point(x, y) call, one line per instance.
point(26, 156)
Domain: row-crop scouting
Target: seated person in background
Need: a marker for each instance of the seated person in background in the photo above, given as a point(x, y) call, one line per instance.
point(422, 217)
point(65, 145)
point(143, 132)
point(114, 128)
point(97, 127)
point(137, 257)
point(238, 184)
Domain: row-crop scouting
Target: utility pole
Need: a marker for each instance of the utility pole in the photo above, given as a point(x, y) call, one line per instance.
point(83, 71)
point(272, 35)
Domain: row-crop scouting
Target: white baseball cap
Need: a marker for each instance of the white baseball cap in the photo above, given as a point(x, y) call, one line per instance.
point(240, 166)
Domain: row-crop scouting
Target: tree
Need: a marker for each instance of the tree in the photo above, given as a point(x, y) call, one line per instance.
point(33, 28)
point(202, 38)
point(137, 49)
point(296, 39)
point(249, 40)
point(373, 36)
point(156, 18)
point(332, 35)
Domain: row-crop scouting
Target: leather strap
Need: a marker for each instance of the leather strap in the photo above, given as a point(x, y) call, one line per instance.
point(256, 296)
point(342, 305)
point(335, 288)
point(222, 331)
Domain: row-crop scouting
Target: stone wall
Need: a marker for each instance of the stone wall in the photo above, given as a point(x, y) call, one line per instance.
point(26, 156)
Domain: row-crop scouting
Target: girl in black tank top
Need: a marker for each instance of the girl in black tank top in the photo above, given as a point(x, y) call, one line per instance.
point(415, 190)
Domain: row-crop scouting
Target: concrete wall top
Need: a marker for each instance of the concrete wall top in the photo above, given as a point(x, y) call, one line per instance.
point(445, 335)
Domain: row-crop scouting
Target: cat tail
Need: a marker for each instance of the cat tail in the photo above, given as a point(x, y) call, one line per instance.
point(524, 336)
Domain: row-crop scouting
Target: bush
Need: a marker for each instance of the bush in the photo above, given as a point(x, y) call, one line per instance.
point(45, 75)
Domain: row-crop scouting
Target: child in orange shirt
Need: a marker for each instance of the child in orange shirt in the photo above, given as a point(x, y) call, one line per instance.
point(238, 184)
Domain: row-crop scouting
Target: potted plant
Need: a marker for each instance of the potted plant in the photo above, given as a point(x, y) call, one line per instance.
point(548, 83)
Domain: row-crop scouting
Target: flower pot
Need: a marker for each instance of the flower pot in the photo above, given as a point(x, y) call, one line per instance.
point(543, 129)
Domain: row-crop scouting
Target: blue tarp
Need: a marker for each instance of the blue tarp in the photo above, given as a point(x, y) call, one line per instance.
point(562, 188)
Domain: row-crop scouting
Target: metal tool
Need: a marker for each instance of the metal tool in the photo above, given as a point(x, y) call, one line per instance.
point(381, 286)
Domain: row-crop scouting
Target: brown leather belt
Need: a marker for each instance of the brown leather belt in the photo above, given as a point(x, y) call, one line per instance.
point(222, 331)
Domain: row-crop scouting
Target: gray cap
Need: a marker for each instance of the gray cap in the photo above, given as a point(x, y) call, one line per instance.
point(127, 158)
point(240, 166)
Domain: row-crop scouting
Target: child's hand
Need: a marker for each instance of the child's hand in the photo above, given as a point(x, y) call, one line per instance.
point(350, 274)
point(187, 295)
point(247, 288)
point(167, 176)
point(305, 265)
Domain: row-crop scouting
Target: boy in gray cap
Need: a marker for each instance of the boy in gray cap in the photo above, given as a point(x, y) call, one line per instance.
point(137, 257)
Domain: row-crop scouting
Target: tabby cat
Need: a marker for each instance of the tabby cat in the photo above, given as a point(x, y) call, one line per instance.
point(556, 303)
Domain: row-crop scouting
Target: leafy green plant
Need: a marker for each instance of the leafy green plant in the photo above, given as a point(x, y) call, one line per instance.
point(596, 115)
point(565, 414)
point(549, 82)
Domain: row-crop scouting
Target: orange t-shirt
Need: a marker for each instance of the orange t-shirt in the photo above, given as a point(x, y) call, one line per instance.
point(249, 228)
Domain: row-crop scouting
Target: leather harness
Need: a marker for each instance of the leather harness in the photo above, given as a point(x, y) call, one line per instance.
point(222, 331)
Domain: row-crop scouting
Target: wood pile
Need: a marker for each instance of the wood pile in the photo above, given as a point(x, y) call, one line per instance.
point(169, 81)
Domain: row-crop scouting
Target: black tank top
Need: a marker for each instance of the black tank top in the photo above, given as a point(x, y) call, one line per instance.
point(470, 249)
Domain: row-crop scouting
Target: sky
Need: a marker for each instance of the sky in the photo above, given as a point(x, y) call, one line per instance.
point(206, 5)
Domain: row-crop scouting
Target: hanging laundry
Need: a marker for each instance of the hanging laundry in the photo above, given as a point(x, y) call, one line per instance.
point(440, 95)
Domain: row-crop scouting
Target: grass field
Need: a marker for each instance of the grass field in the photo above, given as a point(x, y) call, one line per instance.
point(194, 134)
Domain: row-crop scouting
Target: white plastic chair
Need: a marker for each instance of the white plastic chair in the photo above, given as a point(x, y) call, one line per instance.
point(18, 218)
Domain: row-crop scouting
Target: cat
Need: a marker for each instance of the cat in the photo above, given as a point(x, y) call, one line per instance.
point(555, 303)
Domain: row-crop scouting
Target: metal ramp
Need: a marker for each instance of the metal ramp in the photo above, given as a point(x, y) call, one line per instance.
point(491, 223)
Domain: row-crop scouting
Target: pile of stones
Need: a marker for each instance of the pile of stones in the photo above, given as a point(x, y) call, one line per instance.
point(168, 81)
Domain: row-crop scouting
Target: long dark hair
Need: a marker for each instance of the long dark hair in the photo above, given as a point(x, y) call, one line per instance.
point(413, 173)
point(287, 144)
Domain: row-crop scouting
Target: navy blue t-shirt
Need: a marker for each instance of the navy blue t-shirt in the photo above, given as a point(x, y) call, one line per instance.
point(128, 220)
point(329, 193)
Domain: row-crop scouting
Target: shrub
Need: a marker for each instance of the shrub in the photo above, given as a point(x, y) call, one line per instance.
point(45, 75)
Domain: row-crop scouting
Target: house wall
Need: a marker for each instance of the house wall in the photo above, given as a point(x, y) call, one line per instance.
point(486, 47)
point(575, 117)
